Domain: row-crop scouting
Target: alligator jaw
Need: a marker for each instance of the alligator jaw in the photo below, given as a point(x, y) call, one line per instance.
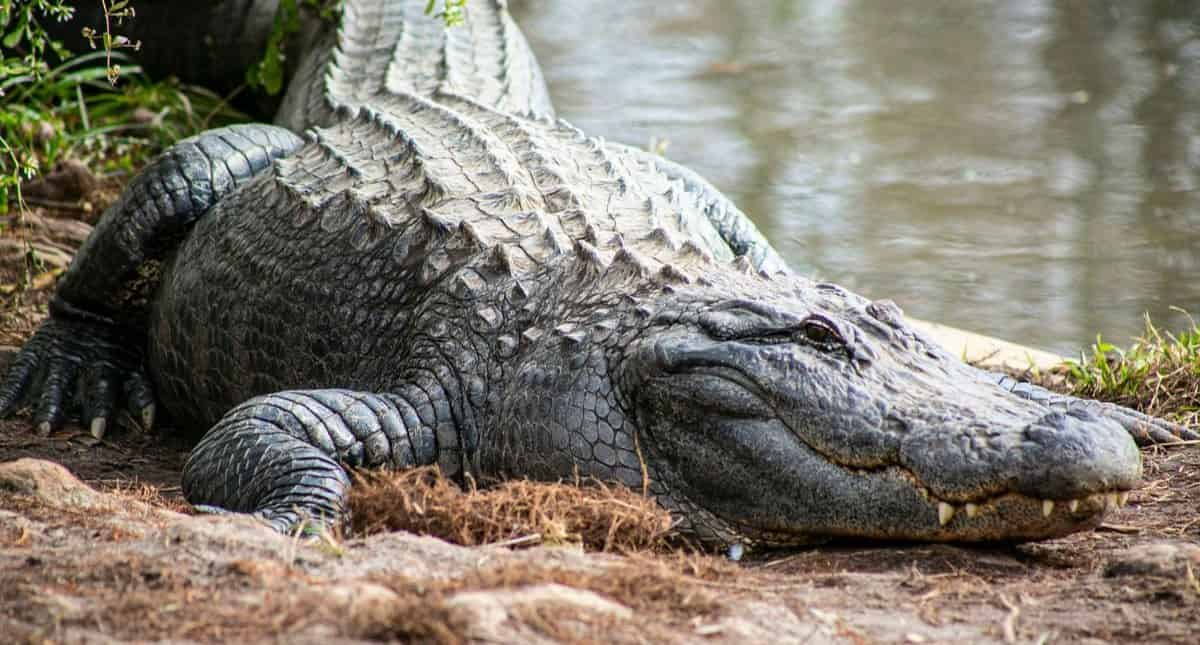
point(1080, 508)
point(971, 520)
point(1002, 517)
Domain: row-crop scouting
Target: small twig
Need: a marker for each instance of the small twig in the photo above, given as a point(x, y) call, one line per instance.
point(532, 538)
point(221, 105)
point(53, 203)
point(783, 560)
point(1010, 622)
point(1127, 529)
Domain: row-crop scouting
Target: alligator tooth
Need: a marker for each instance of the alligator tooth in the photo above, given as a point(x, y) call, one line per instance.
point(148, 417)
point(1047, 507)
point(1122, 498)
point(1112, 500)
point(945, 513)
point(99, 424)
point(1073, 505)
point(972, 510)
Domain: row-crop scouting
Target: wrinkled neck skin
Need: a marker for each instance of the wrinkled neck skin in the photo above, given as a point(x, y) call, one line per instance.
point(774, 412)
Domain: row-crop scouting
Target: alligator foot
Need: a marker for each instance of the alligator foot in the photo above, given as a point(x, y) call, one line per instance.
point(78, 364)
point(81, 360)
point(1145, 429)
point(280, 457)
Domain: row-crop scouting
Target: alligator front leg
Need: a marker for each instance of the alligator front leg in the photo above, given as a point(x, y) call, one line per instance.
point(283, 456)
point(1146, 430)
point(96, 329)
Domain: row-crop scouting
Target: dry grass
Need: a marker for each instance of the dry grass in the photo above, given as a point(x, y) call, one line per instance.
point(600, 516)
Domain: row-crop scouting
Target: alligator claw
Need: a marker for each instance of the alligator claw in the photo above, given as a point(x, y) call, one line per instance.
point(100, 397)
point(57, 386)
point(98, 426)
point(16, 384)
point(1146, 430)
point(209, 509)
point(148, 417)
point(287, 522)
point(139, 400)
point(71, 368)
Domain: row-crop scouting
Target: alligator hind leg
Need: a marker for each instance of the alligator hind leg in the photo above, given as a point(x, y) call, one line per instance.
point(281, 456)
point(95, 336)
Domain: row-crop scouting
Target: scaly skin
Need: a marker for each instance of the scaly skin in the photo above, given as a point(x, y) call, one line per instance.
point(444, 274)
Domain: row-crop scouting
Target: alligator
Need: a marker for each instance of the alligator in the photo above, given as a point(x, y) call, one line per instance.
point(420, 264)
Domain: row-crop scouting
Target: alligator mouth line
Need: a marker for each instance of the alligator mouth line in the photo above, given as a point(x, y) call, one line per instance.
point(946, 509)
point(971, 523)
point(1082, 507)
point(1074, 511)
point(1092, 504)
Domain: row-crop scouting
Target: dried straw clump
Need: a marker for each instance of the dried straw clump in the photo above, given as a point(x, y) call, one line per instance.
point(600, 516)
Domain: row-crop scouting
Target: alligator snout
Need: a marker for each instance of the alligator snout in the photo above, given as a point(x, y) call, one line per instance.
point(1080, 454)
point(1058, 457)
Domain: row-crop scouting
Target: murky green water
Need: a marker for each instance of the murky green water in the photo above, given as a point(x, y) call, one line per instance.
point(1020, 168)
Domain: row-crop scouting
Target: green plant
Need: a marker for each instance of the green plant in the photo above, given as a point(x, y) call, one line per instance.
point(21, 24)
point(73, 109)
point(113, 10)
point(454, 12)
point(267, 74)
point(1159, 373)
point(23, 61)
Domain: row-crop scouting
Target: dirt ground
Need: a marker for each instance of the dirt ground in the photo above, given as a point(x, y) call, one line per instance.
point(105, 551)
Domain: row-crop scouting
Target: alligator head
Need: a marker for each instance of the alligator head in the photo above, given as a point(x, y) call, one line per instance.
point(812, 412)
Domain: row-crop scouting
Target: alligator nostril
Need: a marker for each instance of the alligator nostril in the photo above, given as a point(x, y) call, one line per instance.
point(1083, 414)
point(895, 424)
point(1054, 420)
point(1049, 427)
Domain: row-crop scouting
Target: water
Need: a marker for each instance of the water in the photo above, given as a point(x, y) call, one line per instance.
point(1024, 169)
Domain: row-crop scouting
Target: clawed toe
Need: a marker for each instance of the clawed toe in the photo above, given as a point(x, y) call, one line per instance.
point(77, 369)
point(1145, 429)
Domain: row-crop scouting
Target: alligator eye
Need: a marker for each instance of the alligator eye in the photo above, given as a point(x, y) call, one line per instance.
point(822, 333)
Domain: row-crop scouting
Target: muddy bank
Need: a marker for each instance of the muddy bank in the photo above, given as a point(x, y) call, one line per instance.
point(116, 559)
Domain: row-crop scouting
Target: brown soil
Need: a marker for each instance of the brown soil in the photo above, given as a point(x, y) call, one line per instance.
point(114, 557)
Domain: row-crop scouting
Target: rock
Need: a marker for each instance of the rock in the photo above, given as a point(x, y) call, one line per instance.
point(503, 615)
point(45, 132)
point(367, 608)
point(49, 483)
point(1159, 559)
point(69, 181)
